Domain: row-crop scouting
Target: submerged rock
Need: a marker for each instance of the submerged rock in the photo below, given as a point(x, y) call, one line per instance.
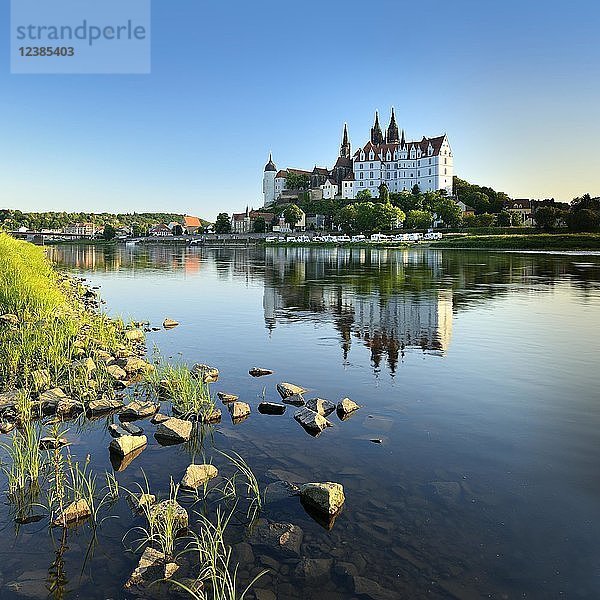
point(49, 399)
point(116, 430)
point(67, 406)
point(328, 497)
point(125, 444)
point(197, 475)
point(174, 431)
point(205, 373)
point(258, 372)
point(239, 410)
point(170, 323)
point(371, 589)
point(448, 492)
point(271, 408)
point(75, 512)
point(313, 422)
point(227, 398)
point(177, 513)
point(346, 406)
point(289, 389)
point(280, 490)
point(159, 418)
point(321, 406)
point(120, 463)
point(284, 538)
point(132, 429)
point(314, 570)
point(138, 410)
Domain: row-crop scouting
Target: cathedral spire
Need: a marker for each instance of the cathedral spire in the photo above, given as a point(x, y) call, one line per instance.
point(392, 130)
point(345, 149)
point(402, 141)
point(376, 135)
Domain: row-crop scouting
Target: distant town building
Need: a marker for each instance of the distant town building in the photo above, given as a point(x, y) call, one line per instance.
point(390, 159)
point(244, 222)
point(314, 221)
point(82, 230)
point(160, 230)
point(465, 208)
point(523, 207)
point(191, 224)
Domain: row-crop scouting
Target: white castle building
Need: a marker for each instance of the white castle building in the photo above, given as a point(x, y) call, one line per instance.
point(389, 160)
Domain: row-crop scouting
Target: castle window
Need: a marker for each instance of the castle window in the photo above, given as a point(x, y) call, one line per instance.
point(445, 161)
point(361, 166)
point(362, 175)
point(371, 166)
point(445, 171)
point(371, 173)
point(430, 171)
point(429, 161)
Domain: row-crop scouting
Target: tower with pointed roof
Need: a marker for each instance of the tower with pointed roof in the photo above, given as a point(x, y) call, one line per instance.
point(391, 135)
point(345, 148)
point(269, 182)
point(376, 134)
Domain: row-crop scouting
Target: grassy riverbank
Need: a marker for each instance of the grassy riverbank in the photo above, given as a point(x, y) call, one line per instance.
point(47, 323)
point(539, 241)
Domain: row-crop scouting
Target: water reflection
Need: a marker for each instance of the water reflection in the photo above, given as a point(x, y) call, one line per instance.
point(387, 300)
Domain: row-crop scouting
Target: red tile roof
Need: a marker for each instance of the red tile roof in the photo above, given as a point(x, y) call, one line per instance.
point(192, 221)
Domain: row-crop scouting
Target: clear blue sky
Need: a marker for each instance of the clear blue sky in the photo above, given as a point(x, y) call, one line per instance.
point(516, 85)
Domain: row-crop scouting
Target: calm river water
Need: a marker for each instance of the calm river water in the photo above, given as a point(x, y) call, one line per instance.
point(478, 371)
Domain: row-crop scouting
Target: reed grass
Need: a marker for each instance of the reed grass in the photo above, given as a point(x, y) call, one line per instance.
point(25, 461)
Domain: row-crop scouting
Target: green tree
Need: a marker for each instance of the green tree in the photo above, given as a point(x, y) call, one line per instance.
point(448, 211)
point(386, 217)
point(546, 218)
point(364, 195)
point(416, 190)
point(504, 219)
point(485, 220)
point(584, 219)
point(297, 181)
point(292, 214)
point(418, 219)
point(406, 201)
point(109, 232)
point(260, 225)
point(223, 224)
point(384, 193)
point(346, 218)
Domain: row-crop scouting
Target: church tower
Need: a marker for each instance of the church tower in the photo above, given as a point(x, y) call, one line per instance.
point(376, 135)
point(392, 130)
point(345, 148)
point(269, 182)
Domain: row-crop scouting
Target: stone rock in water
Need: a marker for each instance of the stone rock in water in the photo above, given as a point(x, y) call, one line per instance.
point(214, 416)
point(159, 418)
point(77, 511)
point(153, 566)
point(289, 389)
point(117, 431)
point(281, 537)
point(294, 399)
point(197, 475)
point(50, 399)
point(67, 406)
point(205, 373)
point(138, 410)
point(258, 372)
point(174, 430)
point(170, 323)
point(179, 515)
point(371, 589)
point(327, 497)
point(346, 406)
point(41, 379)
point(104, 404)
point(313, 422)
point(271, 408)
point(125, 444)
point(50, 443)
point(132, 429)
point(321, 406)
point(314, 569)
point(227, 398)
point(133, 365)
point(139, 502)
point(239, 410)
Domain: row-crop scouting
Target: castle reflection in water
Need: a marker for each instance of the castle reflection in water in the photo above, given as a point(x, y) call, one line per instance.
point(387, 300)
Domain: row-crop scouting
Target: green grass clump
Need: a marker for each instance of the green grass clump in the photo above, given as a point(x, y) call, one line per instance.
point(189, 396)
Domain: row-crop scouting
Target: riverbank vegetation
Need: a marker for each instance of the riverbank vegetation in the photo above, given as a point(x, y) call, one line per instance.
point(541, 241)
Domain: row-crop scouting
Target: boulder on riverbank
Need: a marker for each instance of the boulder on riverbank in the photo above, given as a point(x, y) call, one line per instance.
point(153, 567)
point(239, 410)
point(104, 405)
point(176, 514)
point(294, 400)
point(170, 323)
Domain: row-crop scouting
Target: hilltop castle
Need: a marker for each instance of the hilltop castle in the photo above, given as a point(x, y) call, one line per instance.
point(388, 159)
